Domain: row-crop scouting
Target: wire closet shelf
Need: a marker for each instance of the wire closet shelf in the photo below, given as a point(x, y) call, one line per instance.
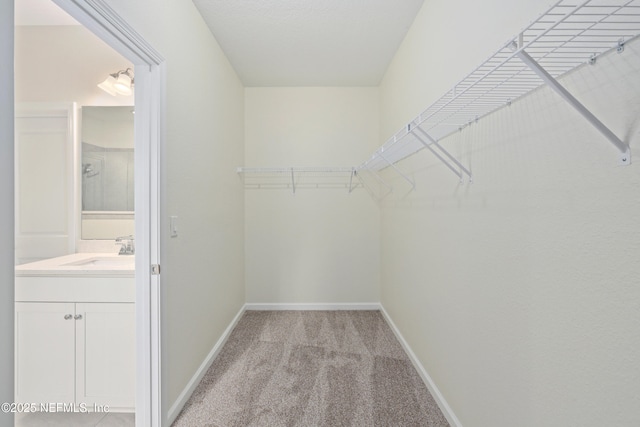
point(297, 178)
point(568, 35)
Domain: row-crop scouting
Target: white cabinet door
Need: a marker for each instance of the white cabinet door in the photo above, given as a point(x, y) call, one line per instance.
point(105, 355)
point(45, 352)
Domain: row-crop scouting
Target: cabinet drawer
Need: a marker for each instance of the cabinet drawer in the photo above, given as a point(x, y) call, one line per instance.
point(78, 289)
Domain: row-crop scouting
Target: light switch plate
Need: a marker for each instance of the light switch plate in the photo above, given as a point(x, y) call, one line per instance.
point(173, 226)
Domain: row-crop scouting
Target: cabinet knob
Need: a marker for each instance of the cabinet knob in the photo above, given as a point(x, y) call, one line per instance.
point(78, 316)
point(68, 316)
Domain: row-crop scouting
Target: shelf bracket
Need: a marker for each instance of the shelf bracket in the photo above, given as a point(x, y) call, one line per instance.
point(377, 177)
point(353, 172)
point(293, 182)
point(625, 157)
point(406, 178)
point(438, 155)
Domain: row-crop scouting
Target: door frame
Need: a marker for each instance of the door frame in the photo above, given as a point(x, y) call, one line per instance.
point(98, 17)
point(7, 228)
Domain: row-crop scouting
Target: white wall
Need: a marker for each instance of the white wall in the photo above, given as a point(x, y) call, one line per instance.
point(203, 268)
point(317, 245)
point(65, 64)
point(446, 41)
point(6, 208)
point(518, 293)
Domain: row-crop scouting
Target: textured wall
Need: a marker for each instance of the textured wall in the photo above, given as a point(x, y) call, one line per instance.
point(203, 268)
point(319, 245)
point(518, 292)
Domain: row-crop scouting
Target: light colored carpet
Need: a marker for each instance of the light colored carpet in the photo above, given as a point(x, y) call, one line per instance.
point(311, 368)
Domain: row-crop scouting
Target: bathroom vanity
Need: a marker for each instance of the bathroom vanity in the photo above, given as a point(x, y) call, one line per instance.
point(75, 331)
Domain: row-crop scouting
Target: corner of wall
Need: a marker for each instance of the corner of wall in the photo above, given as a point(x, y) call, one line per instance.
point(192, 384)
point(426, 378)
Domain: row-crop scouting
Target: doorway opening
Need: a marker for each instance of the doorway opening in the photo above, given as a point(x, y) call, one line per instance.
point(102, 21)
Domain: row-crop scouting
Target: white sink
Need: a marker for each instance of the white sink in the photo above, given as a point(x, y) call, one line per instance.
point(94, 264)
point(112, 261)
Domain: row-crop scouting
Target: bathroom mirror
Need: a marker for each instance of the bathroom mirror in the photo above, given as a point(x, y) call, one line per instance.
point(107, 177)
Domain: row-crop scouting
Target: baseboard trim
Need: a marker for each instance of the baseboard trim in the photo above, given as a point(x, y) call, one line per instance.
point(175, 409)
point(313, 306)
point(435, 392)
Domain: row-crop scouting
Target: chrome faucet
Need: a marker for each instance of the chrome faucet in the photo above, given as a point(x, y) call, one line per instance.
point(127, 245)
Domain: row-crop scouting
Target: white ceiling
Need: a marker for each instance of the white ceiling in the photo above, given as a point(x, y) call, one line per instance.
point(290, 42)
point(309, 42)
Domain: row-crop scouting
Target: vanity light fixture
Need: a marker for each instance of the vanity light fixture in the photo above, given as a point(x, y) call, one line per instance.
point(120, 83)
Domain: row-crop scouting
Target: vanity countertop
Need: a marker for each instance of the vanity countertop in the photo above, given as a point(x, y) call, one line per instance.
point(81, 265)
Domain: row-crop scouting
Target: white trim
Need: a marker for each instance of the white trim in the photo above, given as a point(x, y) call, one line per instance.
point(118, 215)
point(175, 409)
point(7, 245)
point(157, 133)
point(98, 17)
point(433, 389)
point(313, 306)
point(147, 314)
